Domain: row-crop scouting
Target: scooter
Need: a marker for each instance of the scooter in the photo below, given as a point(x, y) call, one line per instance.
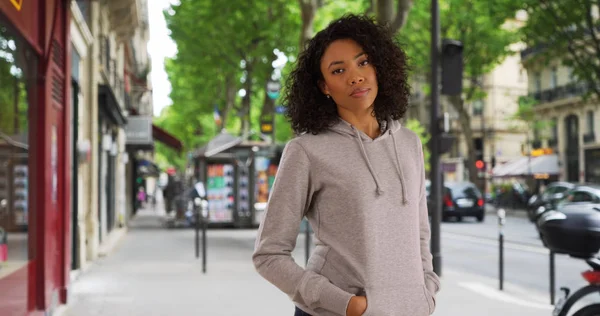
point(567, 302)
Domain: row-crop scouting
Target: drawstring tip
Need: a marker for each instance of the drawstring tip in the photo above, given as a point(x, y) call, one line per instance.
point(404, 201)
point(379, 191)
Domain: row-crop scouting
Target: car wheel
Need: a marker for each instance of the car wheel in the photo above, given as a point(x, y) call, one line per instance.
point(459, 218)
point(480, 218)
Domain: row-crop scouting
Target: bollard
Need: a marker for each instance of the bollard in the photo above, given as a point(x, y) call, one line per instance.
point(204, 208)
point(552, 278)
point(501, 222)
point(197, 229)
point(201, 219)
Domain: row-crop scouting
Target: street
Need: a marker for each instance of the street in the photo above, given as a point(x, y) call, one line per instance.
point(153, 271)
point(473, 247)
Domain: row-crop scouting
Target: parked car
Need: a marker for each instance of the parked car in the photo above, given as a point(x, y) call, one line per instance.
point(579, 195)
point(459, 200)
point(554, 193)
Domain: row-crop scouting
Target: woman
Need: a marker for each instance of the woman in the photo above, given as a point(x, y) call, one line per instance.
point(358, 176)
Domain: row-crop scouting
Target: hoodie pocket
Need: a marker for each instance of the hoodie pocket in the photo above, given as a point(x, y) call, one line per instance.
point(340, 274)
point(405, 300)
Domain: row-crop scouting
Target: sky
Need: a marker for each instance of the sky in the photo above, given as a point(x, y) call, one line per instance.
point(160, 46)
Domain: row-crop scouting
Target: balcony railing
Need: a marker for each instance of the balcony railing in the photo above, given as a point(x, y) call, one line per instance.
point(111, 71)
point(562, 92)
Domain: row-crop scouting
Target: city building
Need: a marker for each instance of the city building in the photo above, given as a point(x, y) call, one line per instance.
point(35, 85)
point(573, 134)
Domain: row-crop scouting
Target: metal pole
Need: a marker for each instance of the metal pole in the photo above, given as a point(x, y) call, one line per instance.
point(501, 220)
point(204, 227)
point(435, 176)
point(197, 228)
point(552, 278)
point(307, 240)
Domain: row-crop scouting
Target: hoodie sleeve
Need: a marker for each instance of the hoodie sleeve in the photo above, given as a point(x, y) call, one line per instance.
point(432, 281)
point(290, 199)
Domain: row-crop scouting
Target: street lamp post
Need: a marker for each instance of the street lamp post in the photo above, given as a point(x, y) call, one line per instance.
point(435, 175)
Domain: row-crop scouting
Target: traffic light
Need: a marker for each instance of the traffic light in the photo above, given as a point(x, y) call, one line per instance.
point(480, 164)
point(452, 67)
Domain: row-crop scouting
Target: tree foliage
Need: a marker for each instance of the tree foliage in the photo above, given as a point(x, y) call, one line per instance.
point(564, 31)
point(227, 46)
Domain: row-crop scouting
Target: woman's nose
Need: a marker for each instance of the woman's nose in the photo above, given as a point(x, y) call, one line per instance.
point(356, 79)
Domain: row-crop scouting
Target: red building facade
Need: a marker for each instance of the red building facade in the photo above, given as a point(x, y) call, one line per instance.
point(34, 158)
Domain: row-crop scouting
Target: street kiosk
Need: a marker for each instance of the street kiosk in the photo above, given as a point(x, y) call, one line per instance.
point(238, 175)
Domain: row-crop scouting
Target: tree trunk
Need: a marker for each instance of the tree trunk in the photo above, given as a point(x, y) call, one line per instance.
point(246, 100)
point(465, 126)
point(308, 10)
point(229, 98)
point(395, 18)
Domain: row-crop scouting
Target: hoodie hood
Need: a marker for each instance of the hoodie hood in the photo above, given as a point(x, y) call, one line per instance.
point(389, 129)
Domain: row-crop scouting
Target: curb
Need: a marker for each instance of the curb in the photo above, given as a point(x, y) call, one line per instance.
point(114, 240)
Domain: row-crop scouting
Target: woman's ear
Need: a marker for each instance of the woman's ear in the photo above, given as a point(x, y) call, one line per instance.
point(323, 87)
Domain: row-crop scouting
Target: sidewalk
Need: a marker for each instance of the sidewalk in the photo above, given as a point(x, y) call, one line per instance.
point(154, 272)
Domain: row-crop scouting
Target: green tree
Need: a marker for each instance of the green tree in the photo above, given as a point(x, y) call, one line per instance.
point(223, 47)
point(567, 31)
point(527, 121)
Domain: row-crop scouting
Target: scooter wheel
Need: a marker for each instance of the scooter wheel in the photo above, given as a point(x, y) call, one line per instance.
point(591, 310)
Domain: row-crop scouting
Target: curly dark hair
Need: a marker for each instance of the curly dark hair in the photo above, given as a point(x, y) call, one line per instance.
point(309, 110)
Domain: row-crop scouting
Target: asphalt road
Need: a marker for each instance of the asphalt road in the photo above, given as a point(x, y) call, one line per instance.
point(473, 247)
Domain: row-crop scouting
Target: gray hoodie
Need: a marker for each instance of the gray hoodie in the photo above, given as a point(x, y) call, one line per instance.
point(365, 199)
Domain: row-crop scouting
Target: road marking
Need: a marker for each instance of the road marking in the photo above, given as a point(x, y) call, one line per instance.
point(488, 242)
point(498, 295)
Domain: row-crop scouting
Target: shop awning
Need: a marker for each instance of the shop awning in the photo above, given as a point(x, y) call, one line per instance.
point(220, 143)
point(525, 166)
point(164, 137)
point(147, 168)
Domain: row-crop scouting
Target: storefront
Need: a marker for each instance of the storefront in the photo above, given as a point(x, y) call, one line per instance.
point(34, 212)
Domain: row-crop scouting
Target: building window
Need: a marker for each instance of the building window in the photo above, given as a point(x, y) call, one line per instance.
point(538, 82)
point(85, 8)
point(571, 75)
point(554, 79)
point(478, 107)
point(18, 77)
point(521, 75)
point(590, 122)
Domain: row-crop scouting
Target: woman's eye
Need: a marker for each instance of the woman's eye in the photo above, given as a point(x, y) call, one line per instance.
point(337, 71)
point(364, 62)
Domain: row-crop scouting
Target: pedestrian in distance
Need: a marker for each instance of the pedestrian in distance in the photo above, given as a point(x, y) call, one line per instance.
point(357, 175)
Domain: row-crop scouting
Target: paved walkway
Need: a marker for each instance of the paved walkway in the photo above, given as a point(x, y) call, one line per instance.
point(154, 272)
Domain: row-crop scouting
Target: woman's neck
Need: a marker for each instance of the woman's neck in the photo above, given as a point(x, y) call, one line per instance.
point(366, 123)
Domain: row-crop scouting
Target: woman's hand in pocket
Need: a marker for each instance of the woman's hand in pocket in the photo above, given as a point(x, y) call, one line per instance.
point(357, 306)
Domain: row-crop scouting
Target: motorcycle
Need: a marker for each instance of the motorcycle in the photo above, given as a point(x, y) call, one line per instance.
point(575, 231)
point(564, 304)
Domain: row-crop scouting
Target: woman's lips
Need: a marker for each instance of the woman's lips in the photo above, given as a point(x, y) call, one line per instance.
point(359, 93)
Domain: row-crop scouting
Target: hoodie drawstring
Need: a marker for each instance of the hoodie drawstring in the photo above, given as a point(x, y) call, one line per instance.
point(379, 190)
point(399, 167)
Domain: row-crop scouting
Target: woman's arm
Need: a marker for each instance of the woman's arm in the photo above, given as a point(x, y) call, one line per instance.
point(290, 198)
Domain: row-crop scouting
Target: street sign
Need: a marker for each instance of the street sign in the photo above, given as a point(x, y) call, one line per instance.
point(280, 109)
point(273, 88)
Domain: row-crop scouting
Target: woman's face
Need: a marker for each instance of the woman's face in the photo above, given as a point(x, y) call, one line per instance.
point(348, 77)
